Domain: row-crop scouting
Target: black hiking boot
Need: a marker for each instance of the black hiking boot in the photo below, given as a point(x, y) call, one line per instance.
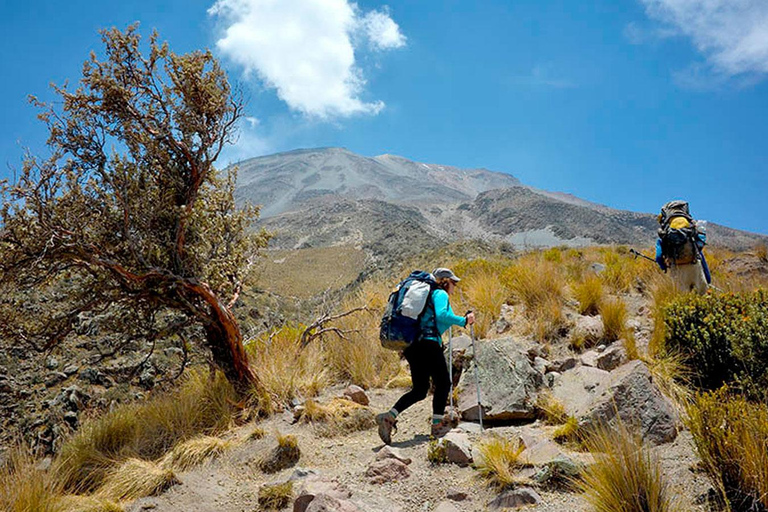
point(387, 423)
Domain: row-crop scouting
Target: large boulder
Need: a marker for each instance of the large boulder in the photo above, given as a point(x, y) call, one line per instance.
point(508, 382)
point(631, 397)
point(576, 389)
point(588, 329)
point(458, 448)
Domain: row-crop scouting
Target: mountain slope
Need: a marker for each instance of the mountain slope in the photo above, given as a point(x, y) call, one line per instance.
point(392, 207)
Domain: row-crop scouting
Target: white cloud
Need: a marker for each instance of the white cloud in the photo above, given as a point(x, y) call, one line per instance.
point(382, 31)
point(732, 34)
point(305, 50)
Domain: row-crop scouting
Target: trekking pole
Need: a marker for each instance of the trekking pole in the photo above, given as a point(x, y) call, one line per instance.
point(636, 254)
point(450, 363)
point(477, 374)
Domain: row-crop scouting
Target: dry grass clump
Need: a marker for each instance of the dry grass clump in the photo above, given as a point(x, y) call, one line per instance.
point(285, 454)
point(626, 477)
point(194, 452)
point(622, 271)
point(568, 432)
point(551, 410)
point(614, 315)
point(257, 433)
point(360, 357)
point(24, 488)
point(146, 430)
point(75, 503)
point(672, 376)
point(499, 460)
point(483, 293)
point(663, 292)
point(538, 285)
point(401, 380)
point(730, 436)
point(287, 370)
point(590, 295)
point(340, 416)
point(275, 496)
point(136, 478)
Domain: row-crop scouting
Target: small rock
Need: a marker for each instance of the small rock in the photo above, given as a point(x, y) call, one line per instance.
point(172, 351)
point(597, 268)
point(71, 369)
point(589, 358)
point(387, 470)
point(326, 503)
point(456, 494)
point(300, 473)
point(147, 377)
point(314, 487)
point(589, 329)
point(44, 465)
point(71, 418)
point(561, 365)
point(540, 365)
point(600, 348)
point(356, 394)
point(52, 363)
point(54, 378)
point(612, 358)
point(515, 498)
point(388, 452)
point(458, 449)
point(91, 375)
point(557, 472)
point(550, 379)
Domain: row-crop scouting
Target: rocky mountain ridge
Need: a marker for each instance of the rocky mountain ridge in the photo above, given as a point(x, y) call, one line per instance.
point(391, 206)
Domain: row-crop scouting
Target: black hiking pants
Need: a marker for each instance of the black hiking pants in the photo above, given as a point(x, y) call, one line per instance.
point(425, 357)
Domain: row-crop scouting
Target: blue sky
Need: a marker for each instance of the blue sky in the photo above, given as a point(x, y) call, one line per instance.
point(628, 103)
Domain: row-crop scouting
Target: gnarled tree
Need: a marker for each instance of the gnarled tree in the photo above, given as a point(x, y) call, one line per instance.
point(128, 215)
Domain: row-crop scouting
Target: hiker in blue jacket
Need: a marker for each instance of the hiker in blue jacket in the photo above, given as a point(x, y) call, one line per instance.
point(426, 360)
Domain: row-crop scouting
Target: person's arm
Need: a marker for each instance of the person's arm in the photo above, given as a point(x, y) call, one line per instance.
point(443, 311)
point(659, 258)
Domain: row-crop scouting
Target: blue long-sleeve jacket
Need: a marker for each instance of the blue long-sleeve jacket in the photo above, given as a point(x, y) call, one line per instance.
point(443, 316)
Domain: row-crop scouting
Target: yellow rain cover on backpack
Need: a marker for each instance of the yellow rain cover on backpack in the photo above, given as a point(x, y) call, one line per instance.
point(679, 223)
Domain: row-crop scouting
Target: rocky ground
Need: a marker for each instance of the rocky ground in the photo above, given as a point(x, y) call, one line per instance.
point(339, 467)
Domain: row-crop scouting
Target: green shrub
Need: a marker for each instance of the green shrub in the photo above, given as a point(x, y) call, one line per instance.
point(729, 434)
point(724, 339)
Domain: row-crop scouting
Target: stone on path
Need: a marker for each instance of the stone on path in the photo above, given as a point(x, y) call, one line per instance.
point(515, 498)
point(388, 452)
point(356, 394)
point(446, 506)
point(458, 448)
point(387, 470)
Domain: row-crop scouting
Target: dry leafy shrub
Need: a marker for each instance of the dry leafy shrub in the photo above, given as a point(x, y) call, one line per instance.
point(24, 488)
point(499, 460)
point(724, 339)
point(626, 476)
point(614, 315)
point(568, 432)
point(285, 454)
point(194, 452)
point(551, 410)
point(553, 255)
point(589, 293)
point(148, 430)
point(340, 416)
point(436, 452)
point(136, 478)
point(287, 370)
point(76, 503)
point(360, 358)
point(275, 496)
point(730, 437)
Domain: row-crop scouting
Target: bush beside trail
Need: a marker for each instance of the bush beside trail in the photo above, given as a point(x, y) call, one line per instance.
point(724, 338)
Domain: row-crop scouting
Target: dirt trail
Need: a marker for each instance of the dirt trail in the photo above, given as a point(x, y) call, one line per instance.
point(231, 484)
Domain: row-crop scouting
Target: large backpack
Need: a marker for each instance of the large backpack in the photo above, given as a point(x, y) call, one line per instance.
point(400, 325)
point(677, 232)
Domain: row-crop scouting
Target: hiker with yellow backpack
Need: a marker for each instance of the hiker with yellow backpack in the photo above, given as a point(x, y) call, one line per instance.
point(680, 245)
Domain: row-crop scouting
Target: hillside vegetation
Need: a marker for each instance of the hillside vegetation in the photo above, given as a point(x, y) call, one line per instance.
point(143, 448)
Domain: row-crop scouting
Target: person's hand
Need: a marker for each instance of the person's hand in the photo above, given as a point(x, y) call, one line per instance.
point(470, 318)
